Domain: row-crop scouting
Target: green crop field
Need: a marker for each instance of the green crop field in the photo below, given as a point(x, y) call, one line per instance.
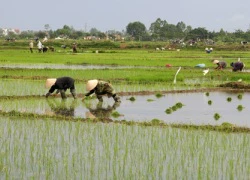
point(38, 146)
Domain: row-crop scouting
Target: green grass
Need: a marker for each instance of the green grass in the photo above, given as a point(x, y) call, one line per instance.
point(186, 58)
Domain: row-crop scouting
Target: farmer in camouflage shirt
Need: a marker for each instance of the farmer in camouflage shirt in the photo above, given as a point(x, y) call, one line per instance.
point(101, 88)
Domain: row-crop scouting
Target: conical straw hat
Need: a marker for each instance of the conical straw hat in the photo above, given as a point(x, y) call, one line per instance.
point(50, 82)
point(216, 61)
point(91, 84)
point(89, 115)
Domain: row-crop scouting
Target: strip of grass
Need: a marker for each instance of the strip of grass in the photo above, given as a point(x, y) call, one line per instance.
point(152, 75)
point(185, 58)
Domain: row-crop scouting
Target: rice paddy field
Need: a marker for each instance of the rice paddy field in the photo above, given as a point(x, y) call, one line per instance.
point(196, 127)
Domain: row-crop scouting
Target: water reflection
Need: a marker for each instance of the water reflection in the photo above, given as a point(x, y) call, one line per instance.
point(68, 66)
point(61, 108)
point(196, 110)
point(100, 111)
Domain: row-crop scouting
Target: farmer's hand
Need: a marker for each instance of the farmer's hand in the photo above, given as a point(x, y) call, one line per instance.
point(47, 95)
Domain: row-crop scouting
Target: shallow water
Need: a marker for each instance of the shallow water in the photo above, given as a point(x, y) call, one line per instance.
point(68, 66)
point(196, 109)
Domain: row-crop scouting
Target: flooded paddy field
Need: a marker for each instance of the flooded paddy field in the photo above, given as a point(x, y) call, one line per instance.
point(88, 66)
point(54, 139)
point(199, 108)
point(27, 87)
point(66, 66)
point(46, 149)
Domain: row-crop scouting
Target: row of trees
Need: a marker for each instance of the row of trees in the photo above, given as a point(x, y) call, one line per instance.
point(160, 30)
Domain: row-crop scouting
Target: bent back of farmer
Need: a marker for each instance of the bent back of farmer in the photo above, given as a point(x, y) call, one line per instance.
point(220, 64)
point(62, 84)
point(101, 88)
point(237, 66)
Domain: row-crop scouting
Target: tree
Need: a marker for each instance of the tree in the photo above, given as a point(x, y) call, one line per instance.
point(26, 34)
point(157, 29)
point(198, 33)
point(94, 32)
point(162, 30)
point(136, 29)
point(66, 31)
point(47, 28)
point(181, 26)
point(40, 34)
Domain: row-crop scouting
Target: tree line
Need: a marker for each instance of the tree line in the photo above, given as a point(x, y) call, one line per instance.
point(160, 30)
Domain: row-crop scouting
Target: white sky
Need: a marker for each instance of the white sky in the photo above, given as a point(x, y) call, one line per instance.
point(117, 14)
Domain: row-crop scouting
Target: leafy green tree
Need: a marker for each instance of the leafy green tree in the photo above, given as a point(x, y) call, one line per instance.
point(136, 30)
point(157, 29)
point(26, 34)
point(12, 35)
point(181, 26)
point(66, 31)
point(239, 35)
point(198, 33)
point(40, 34)
point(47, 27)
point(94, 32)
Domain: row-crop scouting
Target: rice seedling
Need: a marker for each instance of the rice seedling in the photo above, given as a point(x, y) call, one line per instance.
point(179, 105)
point(115, 114)
point(239, 96)
point(174, 108)
point(156, 121)
point(168, 111)
point(229, 99)
point(158, 95)
point(216, 116)
point(240, 107)
point(132, 98)
point(209, 102)
point(207, 93)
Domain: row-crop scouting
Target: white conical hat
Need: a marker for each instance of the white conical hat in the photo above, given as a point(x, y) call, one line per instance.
point(91, 84)
point(216, 61)
point(50, 82)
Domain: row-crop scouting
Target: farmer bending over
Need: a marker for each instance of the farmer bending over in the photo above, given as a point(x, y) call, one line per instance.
point(101, 88)
point(61, 84)
point(237, 66)
point(220, 64)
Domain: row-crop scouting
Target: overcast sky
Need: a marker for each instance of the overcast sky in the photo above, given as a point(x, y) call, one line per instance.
point(117, 14)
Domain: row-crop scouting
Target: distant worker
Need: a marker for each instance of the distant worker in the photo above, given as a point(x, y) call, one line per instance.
point(101, 88)
point(31, 45)
point(74, 48)
point(237, 66)
point(61, 84)
point(40, 46)
point(208, 50)
point(220, 64)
